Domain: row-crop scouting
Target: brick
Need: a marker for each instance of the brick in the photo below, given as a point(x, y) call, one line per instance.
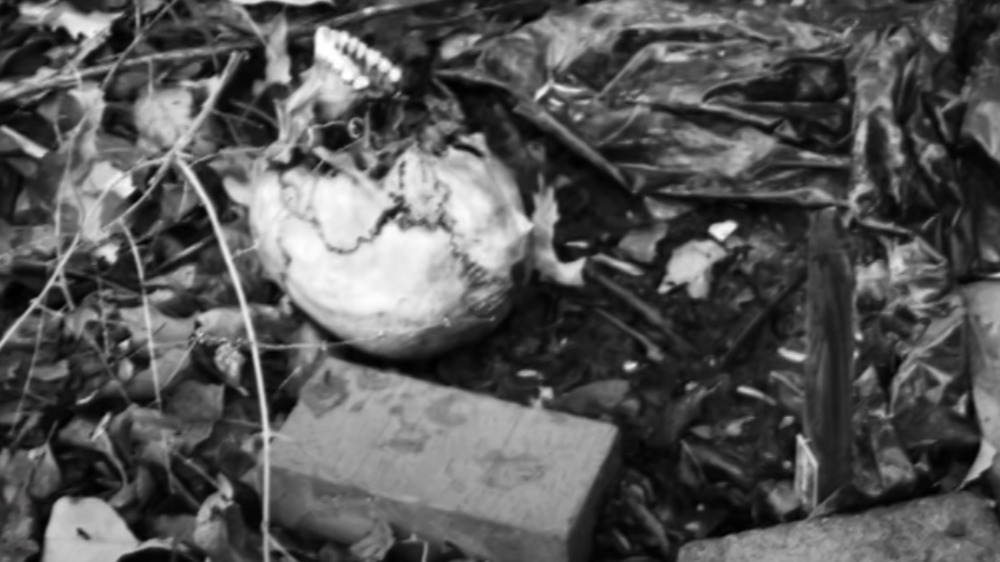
point(945, 528)
point(498, 480)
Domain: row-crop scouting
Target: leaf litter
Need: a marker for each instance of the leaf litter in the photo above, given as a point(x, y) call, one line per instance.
point(669, 156)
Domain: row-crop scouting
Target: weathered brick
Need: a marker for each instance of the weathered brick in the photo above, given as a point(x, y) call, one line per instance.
point(946, 528)
point(498, 480)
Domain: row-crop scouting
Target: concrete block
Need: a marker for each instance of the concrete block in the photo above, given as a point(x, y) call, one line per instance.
point(945, 528)
point(498, 480)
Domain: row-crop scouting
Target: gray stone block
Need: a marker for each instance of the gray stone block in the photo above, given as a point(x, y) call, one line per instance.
point(959, 527)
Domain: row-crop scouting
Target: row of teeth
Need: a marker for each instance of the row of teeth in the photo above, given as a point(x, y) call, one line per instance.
point(342, 51)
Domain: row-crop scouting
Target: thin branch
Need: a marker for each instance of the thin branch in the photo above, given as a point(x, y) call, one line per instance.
point(62, 78)
point(258, 368)
point(147, 315)
point(645, 310)
point(752, 328)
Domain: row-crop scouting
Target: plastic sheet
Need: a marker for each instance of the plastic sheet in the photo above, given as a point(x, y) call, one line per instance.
point(892, 115)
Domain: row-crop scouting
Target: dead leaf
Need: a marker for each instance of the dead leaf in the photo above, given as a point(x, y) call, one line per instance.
point(666, 210)
point(165, 331)
point(873, 282)
point(170, 366)
point(179, 527)
point(640, 243)
point(89, 435)
point(100, 199)
point(46, 476)
point(670, 421)
point(27, 241)
point(231, 447)
point(82, 146)
point(230, 361)
point(213, 283)
point(196, 406)
point(60, 14)
point(721, 231)
point(51, 372)
point(279, 64)
point(600, 398)
point(164, 115)
point(691, 265)
point(226, 323)
point(985, 463)
point(135, 494)
point(88, 192)
point(220, 530)
point(544, 218)
point(86, 530)
point(19, 519)
point(982, 302)
point(376, 544)
point(153, 437)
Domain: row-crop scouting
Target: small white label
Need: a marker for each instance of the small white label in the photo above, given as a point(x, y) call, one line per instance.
point(806, 473)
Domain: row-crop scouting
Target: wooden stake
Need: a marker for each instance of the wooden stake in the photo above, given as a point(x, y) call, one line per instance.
point(829, 367)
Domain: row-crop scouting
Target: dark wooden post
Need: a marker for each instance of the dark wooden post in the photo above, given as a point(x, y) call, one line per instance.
point(830, 361)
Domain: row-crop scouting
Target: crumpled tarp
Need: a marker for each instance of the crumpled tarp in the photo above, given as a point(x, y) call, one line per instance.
point(755, 104)
point(894, 117)
point(661, 96)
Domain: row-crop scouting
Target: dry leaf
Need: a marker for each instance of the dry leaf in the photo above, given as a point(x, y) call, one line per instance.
point(600, 398)
point(162, 117)
point(17, 526)
point(982, 302)
point(196, 407)
point(46, 477)
point(60, 14)
point(220, 531)
point(167, 332)
point(153, 436)
point(88, 190)
point(376, 544)
point(165, 369)
point(691, 265)
point(86, 530)
point(640, 243)
point(98, 199)
point(90, 435)
point(279, 64)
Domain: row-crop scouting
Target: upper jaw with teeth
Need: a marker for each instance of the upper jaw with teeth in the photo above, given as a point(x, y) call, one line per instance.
point(354, 62)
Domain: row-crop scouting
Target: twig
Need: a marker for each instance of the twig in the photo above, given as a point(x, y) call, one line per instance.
point(648, 313)
point(653, 351)
point(227, 258)
point(66, 78)
point(258, 368)
point(140, 35)
point(33, 305)
point(753, 326)
point(147, 315)
point(27, 380)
